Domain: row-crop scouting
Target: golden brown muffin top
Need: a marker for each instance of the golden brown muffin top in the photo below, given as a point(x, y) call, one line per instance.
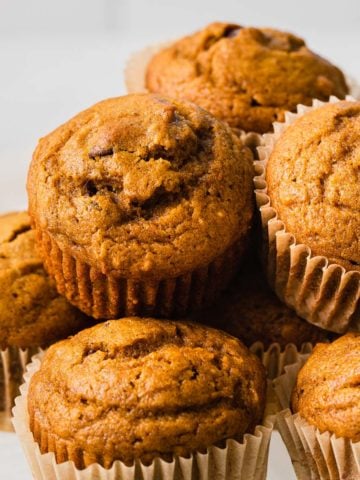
point(142, 186)
point(141, 388)
point(247, 77)
point(32, 313)
point(313, 181)
point(327, 390)
point(250, 311)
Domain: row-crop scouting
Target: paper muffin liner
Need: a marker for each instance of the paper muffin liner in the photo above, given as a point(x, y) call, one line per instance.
point(13, 363)
point(322, 293)
point(237, 460)
point(275, 358)
point(314, 455)
point(103, 296)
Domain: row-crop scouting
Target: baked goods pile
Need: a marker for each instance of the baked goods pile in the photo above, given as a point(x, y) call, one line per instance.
point(156, 204)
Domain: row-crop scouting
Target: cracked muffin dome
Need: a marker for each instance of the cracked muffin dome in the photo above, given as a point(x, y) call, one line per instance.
point(142, 388)
point(312, 179)
point(142, 204)
point(250, 310)
point(327, 392)
point(32, 313)
point(245, 76)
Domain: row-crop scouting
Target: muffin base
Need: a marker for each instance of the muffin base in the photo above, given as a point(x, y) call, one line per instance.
point(13, 361)
point(106, 297)
point(314, 455)
point(236, 460)
point(322, 293)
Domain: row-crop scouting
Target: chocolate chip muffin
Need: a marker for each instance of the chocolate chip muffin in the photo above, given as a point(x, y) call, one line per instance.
point(142, 388)
point(141, 205)
point(32, 313)
point(327, 392)
point(313, 182)
point(250, 311)
point(245, 76)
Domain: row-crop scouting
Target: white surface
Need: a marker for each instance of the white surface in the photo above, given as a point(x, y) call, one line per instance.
point(57, 58)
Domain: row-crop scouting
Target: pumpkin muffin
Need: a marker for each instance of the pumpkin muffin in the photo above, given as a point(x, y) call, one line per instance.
point(32, 313)
point(327, 392)
point(142, 204)
point(313, 182)
point(250, 311)
point(245, 76)
point(143, 388)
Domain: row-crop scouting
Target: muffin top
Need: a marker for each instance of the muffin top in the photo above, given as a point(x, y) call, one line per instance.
point(250, 311)
point(313, 181)
point(327, 391)
point(142, 186)
point(32, 314)
point(247, 77)
point(141, 388)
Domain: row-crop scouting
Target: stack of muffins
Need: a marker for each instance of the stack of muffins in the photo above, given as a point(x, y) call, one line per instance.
point(143, 213)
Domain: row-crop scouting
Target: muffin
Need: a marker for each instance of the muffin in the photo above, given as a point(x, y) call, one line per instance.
point(250, 311)
point(245, 76)
point(312, 178)
point(141, 204)
point(307, 191)
point(327, 392)
point(321, 432)
point(138, 389)
point(32, 314)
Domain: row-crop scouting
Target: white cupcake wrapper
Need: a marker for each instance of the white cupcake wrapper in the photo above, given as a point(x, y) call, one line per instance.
point(276, 359)
point(314, 455)
point(245, 460)
point(322, 293)
point(13, 363)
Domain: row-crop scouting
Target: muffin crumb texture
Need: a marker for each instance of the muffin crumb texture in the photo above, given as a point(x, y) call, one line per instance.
point(327, 390)
point(141, 388)
point(245, 76)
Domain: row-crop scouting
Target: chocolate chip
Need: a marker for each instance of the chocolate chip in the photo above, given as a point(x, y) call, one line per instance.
point(91, 188)
point(254, 103)
point(100, 152)
point(232, 31)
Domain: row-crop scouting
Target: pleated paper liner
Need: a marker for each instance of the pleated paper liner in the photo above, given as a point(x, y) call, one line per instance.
point(13, 363)
point(275, 359)
point(104, 296)
point(314, 455)
point(322, 293)
point(237, 460)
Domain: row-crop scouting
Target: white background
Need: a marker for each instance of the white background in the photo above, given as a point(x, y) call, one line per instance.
point(58, 57)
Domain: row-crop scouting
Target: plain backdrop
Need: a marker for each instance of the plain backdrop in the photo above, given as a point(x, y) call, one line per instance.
point(58, 57)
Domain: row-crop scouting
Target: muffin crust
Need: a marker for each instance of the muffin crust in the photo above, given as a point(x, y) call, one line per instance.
point(245, 76)
point(313, 181)
point(143, 187)
point(142, 388)
point(32, 314)
point(327, 392)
